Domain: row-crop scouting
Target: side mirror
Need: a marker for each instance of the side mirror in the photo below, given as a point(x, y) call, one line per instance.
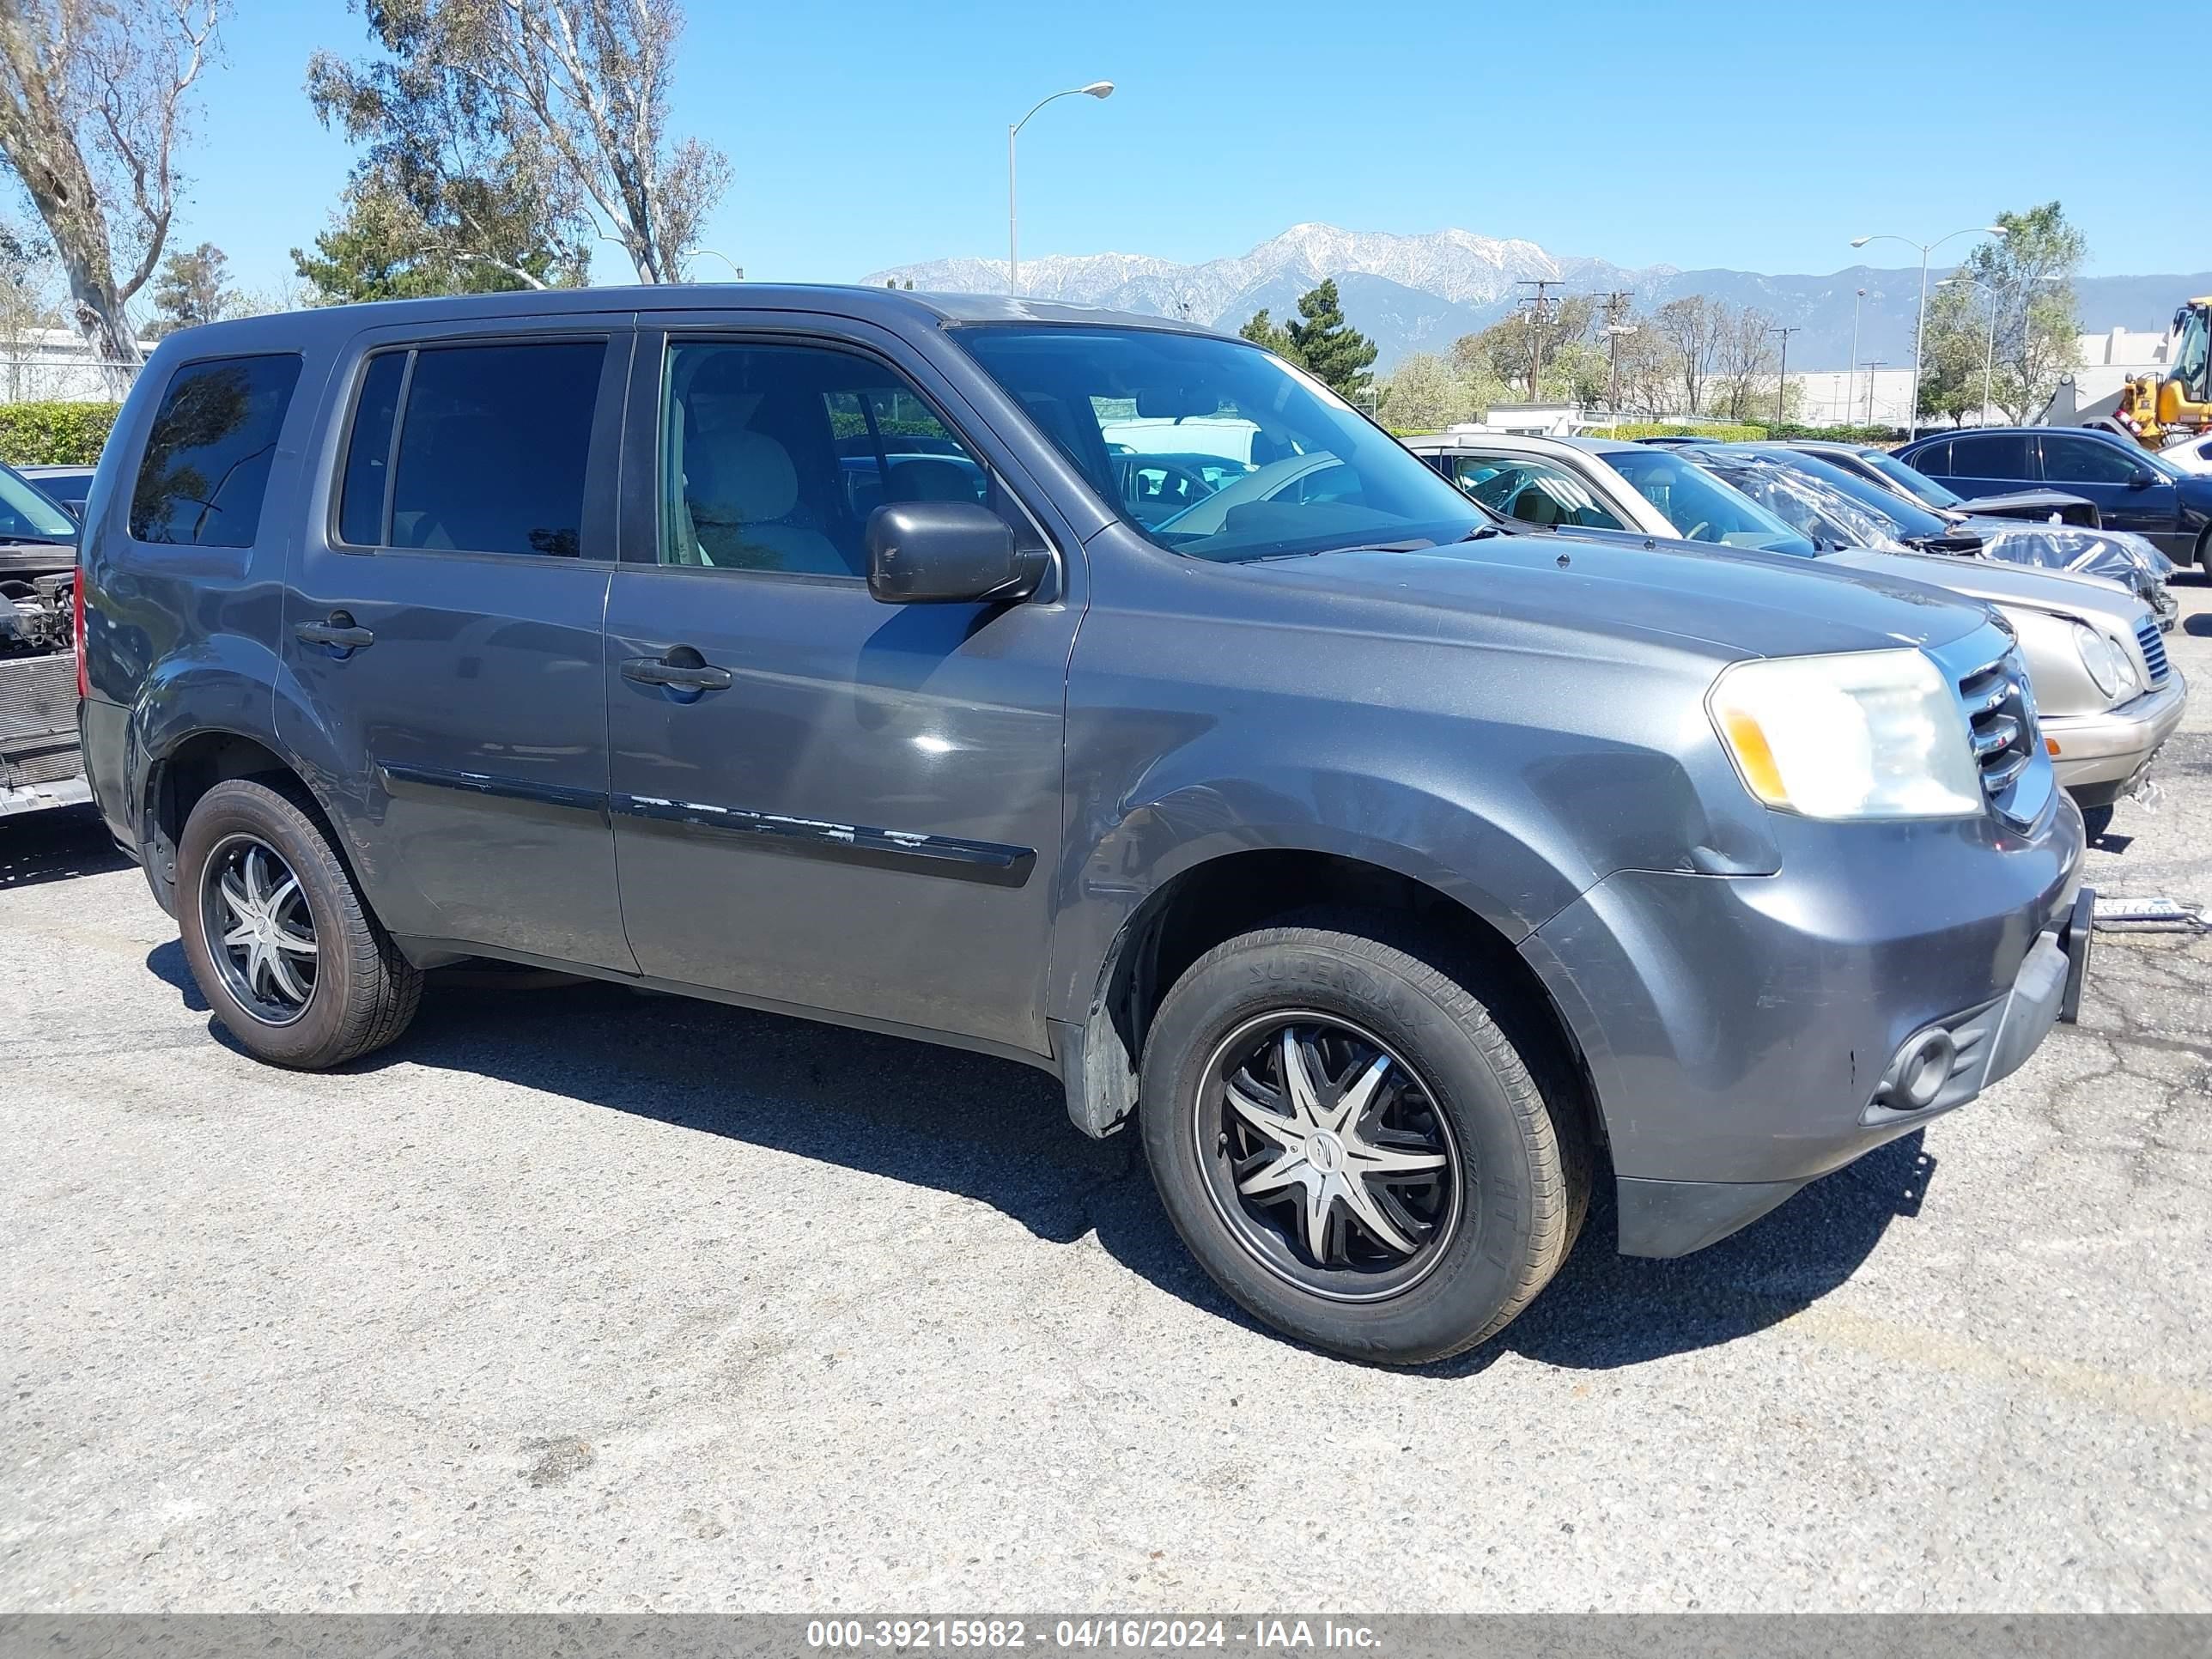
point(948, 553)
point(2142, 478)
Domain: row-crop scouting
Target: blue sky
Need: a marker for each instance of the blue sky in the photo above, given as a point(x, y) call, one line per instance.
point(1754, 136)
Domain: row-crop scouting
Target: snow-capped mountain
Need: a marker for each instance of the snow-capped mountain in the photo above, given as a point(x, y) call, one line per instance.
point(1421, 293)
point(1456, 266)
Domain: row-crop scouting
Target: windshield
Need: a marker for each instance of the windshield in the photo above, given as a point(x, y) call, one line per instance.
point(27, 515)
point(1322, 477)
point(1917, 484)
point(1906, 518)
point(1700, 507)
point(1804, 503)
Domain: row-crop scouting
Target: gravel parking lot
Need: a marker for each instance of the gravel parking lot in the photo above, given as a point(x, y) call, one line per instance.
point(580, 1298)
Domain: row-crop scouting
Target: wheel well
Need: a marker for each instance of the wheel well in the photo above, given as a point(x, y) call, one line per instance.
point(192, 768)
point(1223, 897)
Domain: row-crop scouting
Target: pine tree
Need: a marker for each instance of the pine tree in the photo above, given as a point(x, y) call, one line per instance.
point(1261, 330)
point(1327, 347)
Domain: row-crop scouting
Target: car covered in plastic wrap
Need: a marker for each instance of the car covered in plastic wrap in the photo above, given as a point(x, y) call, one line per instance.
point(1867, 514)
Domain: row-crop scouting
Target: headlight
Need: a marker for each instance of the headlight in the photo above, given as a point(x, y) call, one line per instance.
point(1870, 734)
point(2107, 664)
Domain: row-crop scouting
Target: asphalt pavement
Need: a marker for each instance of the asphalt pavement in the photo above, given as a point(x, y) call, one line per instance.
point(578, 1298)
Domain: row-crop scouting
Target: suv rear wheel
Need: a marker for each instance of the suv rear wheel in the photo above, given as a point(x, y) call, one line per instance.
point(277, 936)
point(1352, 1147)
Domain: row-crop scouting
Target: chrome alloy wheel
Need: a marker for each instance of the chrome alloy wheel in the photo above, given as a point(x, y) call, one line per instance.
point(259, 931)
point(1327, 1155)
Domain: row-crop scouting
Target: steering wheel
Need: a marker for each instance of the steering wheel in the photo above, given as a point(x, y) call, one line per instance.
point(1697, 531)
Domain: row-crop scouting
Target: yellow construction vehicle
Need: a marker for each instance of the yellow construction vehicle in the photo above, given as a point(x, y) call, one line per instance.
point(2158, 409)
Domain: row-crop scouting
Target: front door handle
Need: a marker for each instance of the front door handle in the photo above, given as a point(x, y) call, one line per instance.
point(339, 633)
point(684, 677)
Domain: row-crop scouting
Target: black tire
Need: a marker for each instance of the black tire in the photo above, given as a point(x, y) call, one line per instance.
point(363, 993)
point(2204, 551)
point(1521, 1160)
point(2097, 819)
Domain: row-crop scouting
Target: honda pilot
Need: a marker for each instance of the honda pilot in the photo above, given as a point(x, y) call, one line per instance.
point(1395, 877)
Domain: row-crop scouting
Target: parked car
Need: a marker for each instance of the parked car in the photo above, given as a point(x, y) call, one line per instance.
point(1376, 866)
point(2133, 489)
point(66, 486)
point(2191, 455)
point(41, 765)
point(1887, 521)
point(1676, 439)
point(1878, 467)
point(2105, 695)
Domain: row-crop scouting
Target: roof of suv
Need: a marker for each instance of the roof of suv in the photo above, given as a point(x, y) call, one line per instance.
point(881, 305)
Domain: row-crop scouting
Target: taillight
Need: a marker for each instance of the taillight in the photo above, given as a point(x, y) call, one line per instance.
point(77, 633)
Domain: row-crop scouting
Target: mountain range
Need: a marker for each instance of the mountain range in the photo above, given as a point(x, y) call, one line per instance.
point(1419, 293)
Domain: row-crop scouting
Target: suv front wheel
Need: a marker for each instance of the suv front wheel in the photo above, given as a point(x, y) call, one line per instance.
point(1352, 1147)
point(277, 936)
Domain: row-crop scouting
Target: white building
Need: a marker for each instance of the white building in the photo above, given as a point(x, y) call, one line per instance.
point(55, 365)
point(2103, 364)
point(1836, 397)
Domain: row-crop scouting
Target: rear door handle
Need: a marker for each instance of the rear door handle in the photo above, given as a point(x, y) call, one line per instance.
point(686, 677)
point(339, 633)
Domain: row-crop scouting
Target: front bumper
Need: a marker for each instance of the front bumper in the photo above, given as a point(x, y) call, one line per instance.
point(2096, 757)
point(1738, 1030)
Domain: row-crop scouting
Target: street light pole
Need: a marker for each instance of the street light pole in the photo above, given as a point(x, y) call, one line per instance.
point(736, 269)
point(1095, 89)
point(1989, 352)
point(1920, 327)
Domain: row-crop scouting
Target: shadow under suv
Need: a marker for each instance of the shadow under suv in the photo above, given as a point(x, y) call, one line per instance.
point(796, 649)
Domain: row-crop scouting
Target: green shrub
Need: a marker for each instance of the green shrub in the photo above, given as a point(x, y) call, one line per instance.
point(54, 435)
point(1720, 431)
point(1843, 435)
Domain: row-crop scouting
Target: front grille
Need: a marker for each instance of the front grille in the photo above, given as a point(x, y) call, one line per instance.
point(2153, 649)
point(2002, 722)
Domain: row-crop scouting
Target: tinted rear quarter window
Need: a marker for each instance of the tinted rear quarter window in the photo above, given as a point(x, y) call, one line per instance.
point(1997, 455)
point(1935, 460)
point(494, 441)
point(205, 472)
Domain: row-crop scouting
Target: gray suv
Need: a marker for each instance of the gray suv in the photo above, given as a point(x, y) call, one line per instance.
point(1393, 873)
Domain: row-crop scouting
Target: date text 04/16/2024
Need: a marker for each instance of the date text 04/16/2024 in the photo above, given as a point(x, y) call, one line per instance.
point(1087, 1634)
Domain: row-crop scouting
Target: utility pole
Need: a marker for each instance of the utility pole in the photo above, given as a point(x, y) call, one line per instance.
point(1781, 379)
point(1851, 362)
point(1878, 363)
point(1540, 311)
point(1616, 308)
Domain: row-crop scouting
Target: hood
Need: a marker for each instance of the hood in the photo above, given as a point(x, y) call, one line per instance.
point(1737, 603)
point(1993, 583)
point(2068, 547)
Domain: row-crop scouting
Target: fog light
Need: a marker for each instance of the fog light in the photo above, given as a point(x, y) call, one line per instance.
point(1918, 1074)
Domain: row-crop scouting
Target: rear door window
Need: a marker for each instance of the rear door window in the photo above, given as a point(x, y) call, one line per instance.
point(205, 473)
point(491, 454)
point(1994, 455)
point(1935, 459)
